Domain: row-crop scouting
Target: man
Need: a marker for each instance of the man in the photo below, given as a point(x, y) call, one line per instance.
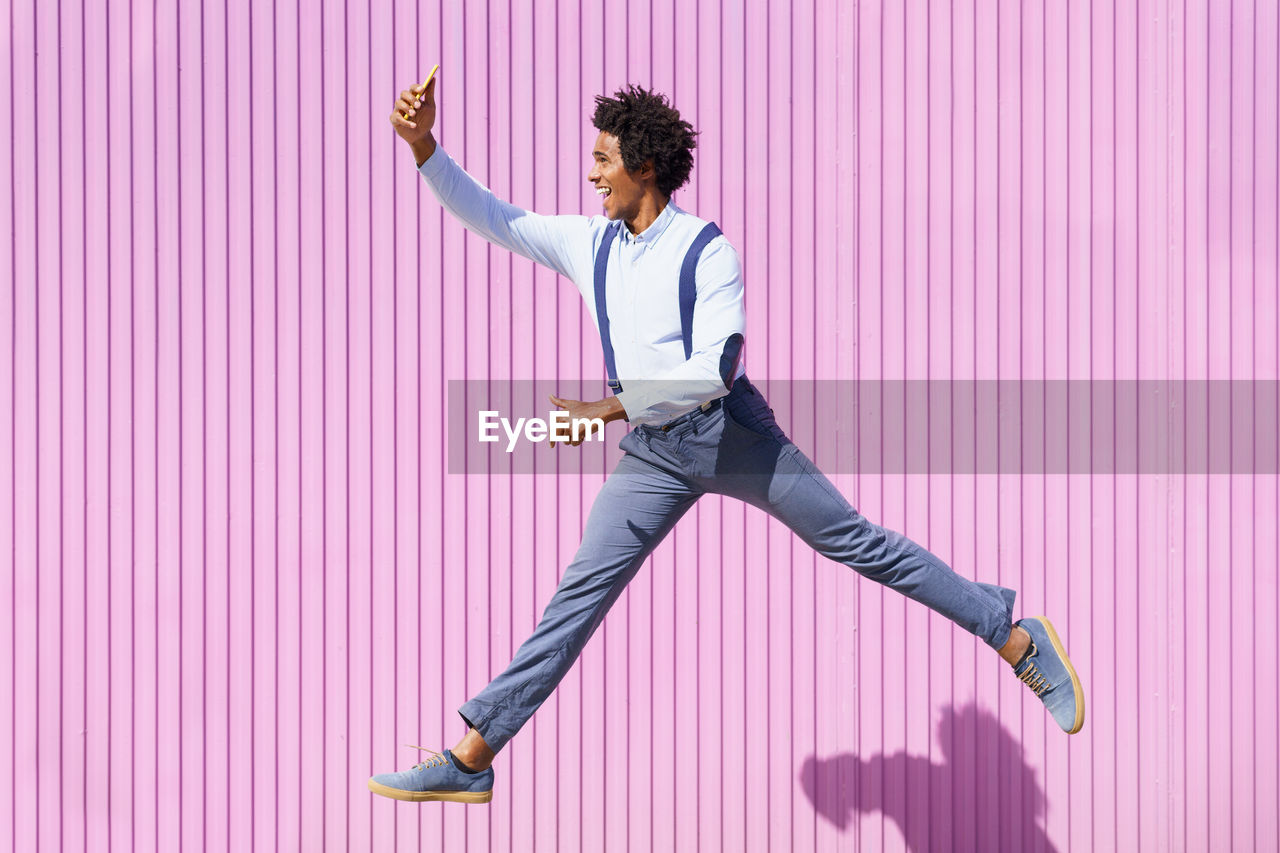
point(666, 291)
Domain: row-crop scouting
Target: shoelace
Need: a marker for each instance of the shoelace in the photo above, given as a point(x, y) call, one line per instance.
point(436, 760)
point(1032, 677)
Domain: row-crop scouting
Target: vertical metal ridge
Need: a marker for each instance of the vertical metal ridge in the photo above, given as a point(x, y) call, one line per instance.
point(13, 445)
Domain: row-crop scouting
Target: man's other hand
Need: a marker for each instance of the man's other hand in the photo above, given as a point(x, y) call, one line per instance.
point(606, 410)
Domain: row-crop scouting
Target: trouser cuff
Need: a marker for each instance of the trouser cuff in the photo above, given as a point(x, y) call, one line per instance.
point(995, 631)
point(485, 720)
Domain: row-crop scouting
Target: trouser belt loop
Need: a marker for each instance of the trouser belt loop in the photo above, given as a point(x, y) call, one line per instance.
point(696, 415)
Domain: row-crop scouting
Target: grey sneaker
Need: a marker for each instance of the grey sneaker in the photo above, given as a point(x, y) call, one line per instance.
point(1047, 670)
point(437, 778)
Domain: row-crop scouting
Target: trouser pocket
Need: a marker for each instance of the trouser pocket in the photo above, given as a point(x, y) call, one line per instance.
point(746, 408)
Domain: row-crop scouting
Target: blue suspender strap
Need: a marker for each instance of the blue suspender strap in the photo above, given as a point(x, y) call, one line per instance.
point(688, 294)
point(688, 284)
point(602, 313)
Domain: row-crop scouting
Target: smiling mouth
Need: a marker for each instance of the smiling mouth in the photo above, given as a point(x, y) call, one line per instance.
point(603, 192)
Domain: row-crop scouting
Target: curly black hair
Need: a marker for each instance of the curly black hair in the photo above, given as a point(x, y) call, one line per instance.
point(648, 128)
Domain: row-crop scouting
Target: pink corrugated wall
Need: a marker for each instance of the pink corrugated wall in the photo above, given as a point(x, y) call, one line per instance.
point(237, 575)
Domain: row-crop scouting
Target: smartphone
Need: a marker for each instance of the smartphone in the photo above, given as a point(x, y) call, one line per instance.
point(434, 69)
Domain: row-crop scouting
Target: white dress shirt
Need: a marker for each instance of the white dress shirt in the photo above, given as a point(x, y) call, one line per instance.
point(641, 288)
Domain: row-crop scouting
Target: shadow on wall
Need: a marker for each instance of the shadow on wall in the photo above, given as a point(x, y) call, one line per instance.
point(983, 796)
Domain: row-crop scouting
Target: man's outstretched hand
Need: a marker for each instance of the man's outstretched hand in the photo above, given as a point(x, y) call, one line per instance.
point(609, 409)
point(413, 117)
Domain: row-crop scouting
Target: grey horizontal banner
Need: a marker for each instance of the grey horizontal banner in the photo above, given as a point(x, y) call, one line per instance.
point(921, 426)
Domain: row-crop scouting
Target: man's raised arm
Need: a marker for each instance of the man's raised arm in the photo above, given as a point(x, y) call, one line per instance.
point(562, 243)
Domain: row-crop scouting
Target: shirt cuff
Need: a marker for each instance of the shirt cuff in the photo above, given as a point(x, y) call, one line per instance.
point(435, 164)
point(629, 411)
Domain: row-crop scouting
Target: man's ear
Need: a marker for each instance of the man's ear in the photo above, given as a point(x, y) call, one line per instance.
point(647, 171)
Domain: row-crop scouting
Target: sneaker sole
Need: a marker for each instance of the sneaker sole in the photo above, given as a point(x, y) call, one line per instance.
point(431, 796)
point(1075, 679)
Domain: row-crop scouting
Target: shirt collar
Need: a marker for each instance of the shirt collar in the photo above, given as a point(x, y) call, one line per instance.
point(656, 228)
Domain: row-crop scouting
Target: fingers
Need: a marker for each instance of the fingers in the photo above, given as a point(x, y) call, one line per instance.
point(407, 104)
point(580, 426)
point(403, 111)
point(428, 90)
point(415, 98)
point(398, 120)
point(413, 101)
point(567, 438)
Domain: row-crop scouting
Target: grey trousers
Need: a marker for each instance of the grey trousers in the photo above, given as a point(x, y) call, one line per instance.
point(735, 448)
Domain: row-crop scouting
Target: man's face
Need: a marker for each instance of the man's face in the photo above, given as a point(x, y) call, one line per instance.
point(620, 190)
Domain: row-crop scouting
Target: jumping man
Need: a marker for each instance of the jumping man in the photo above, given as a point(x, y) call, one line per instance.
point(665, 289)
